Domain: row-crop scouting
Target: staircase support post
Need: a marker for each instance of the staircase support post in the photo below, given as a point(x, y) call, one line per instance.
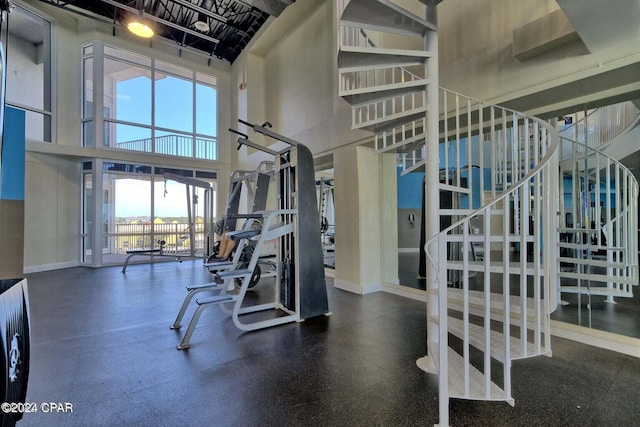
point(436, 294)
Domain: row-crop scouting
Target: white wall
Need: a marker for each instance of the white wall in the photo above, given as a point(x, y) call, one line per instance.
point(301, 84)
point(52, 212)
point(476, 58)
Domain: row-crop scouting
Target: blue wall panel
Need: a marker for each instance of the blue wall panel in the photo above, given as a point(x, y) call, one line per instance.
point(13, 146)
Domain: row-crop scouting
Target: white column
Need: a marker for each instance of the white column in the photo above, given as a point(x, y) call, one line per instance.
point(389, 203)
point(359, 232)
point(432, 194)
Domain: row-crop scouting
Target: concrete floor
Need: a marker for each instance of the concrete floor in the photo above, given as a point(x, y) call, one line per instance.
point(101, 341)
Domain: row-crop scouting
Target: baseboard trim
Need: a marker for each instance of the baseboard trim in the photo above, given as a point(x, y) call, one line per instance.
point(405, 291)
point(371, 288)
point(601, 339)
point(347, 286)
point(49, 267)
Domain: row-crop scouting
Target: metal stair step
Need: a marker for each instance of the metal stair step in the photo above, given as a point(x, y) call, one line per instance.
point(354, 56)
point(593, 262)
point(592, 248)
point(455, 300)
point(453, 188)
point(479, 238)
point(596, 290)
point(599, 278)
point(494, 266)
point(466, 212)
point(477, 382)
point(370, 94)
point(383, 15)
point(381, 124)
point(404, 145)
point(396, 65)
point(496, 342)
point(417, 167)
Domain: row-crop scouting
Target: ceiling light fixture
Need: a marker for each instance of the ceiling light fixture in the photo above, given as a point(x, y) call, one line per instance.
point(140, 29)
point(202, 23)
point(138, 26)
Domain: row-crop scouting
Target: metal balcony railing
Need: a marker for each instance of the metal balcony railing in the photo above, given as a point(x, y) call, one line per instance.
point(175, 145)
point(127, 237)
point(598, 127)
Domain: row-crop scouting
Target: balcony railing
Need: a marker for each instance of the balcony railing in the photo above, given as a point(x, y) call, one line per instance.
point(175, 145)
point(598, 127)
point(126, 237)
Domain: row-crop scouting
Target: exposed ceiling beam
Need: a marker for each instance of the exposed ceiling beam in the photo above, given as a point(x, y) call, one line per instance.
point(199, 9)
point(161, 21)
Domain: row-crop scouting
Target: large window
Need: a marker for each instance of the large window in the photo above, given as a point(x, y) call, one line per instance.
point(139, 207)
point(28, 52)
point(147, 105)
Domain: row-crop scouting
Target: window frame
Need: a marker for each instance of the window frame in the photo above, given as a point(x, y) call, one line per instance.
point(93, 237)
point(49, 96)
point(200, 143)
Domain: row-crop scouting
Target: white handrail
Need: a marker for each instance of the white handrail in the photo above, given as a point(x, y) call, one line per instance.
point(601, 125)
point(527, 153)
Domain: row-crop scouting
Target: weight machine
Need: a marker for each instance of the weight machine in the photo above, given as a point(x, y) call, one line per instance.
point(255, 184)
point(300, 283)
point(192, 185)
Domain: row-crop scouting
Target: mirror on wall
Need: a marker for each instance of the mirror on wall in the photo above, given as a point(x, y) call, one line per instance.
point(326, 209)
point(598, 219)
point(410, 189)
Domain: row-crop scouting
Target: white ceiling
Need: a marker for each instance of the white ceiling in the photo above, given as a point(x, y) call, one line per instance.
point(603, 23)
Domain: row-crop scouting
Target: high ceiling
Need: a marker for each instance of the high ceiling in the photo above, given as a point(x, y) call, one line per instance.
point(223, 29)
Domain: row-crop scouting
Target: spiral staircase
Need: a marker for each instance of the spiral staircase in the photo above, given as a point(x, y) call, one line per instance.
point(599, 207)
point(491, 184)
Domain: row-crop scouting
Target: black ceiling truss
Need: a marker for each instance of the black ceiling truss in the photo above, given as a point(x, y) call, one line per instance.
point(231, 23)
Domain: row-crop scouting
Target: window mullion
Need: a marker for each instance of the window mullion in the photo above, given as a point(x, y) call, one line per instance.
point(48, 87)
point(193, 114)
point(153, 109)
point(97, 237)
point(153, 206)
point(98, 94)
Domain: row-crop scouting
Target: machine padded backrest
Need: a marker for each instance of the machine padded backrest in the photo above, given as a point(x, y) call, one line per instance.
point(261, 192)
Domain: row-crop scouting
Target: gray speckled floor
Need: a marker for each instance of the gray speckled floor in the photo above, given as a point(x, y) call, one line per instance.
point(101, 341)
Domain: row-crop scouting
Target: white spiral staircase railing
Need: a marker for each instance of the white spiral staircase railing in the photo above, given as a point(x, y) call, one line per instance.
point(496, 264)
point(490, 285)
point(598, 127)
point(599, 209)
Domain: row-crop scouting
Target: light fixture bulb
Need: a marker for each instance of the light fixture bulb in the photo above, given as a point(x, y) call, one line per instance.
point(201, 26)
point(201, 23)
point(140, 29)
